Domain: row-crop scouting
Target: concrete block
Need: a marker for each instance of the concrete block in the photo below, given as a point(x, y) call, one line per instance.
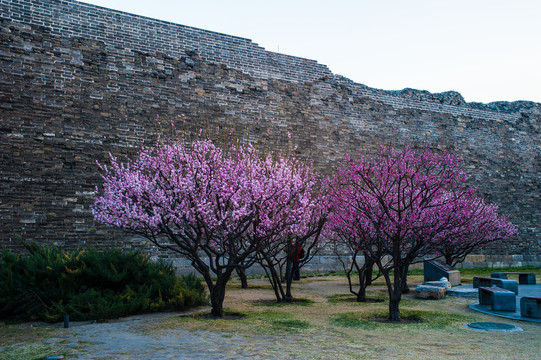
point(510, 285)
point(498, 275)
point(497, 298)
point(527, 279)
point(523, 278)
point(504, 301)
point(530, 307)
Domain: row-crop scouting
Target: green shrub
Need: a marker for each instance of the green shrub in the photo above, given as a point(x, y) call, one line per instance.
point(90, 285)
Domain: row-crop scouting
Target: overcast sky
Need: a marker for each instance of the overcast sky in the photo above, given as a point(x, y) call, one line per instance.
point(488, 50)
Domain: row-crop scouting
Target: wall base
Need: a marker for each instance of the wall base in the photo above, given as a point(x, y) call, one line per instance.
point(325, 263)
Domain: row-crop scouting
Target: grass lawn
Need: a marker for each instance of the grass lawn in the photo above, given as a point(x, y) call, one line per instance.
point(325, 323)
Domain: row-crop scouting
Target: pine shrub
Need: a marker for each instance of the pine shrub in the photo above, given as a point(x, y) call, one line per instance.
point(90, 285)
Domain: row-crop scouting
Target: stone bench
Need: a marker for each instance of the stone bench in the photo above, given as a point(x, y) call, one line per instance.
point(498, 298)
point(530, 307)
point(511, 285)
point(524, 278)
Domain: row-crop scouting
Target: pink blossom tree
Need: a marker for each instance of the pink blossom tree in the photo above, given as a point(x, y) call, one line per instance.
point(215, 208)
point(397, 206)
point(301, 241)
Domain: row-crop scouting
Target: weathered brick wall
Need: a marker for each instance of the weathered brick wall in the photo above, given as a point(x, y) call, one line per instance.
point(78, 81)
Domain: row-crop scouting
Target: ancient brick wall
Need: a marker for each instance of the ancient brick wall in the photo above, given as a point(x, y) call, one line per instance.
point(78, 81)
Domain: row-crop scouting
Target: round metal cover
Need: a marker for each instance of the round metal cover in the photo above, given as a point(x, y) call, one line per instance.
point(492, 326)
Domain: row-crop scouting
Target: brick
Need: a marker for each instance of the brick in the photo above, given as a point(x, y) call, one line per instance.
point(82, 76)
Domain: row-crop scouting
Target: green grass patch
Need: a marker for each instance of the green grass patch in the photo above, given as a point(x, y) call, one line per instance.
point(485, 271)
point(277, 321)
point(376, 318)
point(250, 286)
point(27, 351)
point(295, 302)
point(290, 325)
point(261, 322)
point(228, 315)
point(371, 297)
point(352, 320)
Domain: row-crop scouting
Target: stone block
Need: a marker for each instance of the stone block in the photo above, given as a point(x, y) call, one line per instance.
point(527, 279)
point(498, 275)
point(479, 281)
point(498, 298)
point(434, 270)
point(505, 302)
point(429, 292)
point(443, 282)
point(475, 258)
point(504, 283)
point(510, 285)
point(523, 278)
point(530, 307)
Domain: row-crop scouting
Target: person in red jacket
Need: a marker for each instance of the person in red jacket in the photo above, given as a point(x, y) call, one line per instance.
point(297, 256)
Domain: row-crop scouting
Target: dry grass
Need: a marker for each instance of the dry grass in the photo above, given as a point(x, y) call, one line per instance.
point(326, 324)
point(23, 342)
point(433, 328)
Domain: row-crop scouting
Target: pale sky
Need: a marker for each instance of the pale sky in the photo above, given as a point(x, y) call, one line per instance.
point(488, 50)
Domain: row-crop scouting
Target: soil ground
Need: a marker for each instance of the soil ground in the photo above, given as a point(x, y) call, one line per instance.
point(324, 323)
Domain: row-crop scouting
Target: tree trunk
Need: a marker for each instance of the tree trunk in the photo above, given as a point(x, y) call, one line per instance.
point(394, 311)
point(361, 295)
point(449, 259)
point(395, 290)
point(369, 264)
point(276, 284)
point(217, 293)
point(365, 275)
point(243, 279)
point(273, 276)
point(404, 287)
point(217, 303)
point(396, 294)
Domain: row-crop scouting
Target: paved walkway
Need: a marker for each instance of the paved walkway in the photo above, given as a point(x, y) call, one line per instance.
point(523, 290)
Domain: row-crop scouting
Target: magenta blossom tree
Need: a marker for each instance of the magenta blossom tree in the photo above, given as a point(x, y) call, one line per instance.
point(398, 207)
point(214, 208)
point(476, 224)
point(347, 229)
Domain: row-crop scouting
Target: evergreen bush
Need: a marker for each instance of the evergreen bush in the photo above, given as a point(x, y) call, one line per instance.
point(90, 285)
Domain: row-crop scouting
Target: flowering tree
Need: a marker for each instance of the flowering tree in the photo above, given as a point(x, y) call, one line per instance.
point(476, 225)
point(216, 209)
point(300, 241)
point(348, 229)
point(397, 206)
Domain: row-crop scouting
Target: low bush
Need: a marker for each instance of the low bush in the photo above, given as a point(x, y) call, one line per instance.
point(90, 285)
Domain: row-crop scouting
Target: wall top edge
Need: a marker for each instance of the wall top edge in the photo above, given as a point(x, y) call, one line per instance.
point(312, 68)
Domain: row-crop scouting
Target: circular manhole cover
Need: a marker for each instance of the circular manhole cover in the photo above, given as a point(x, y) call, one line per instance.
point(492, 326)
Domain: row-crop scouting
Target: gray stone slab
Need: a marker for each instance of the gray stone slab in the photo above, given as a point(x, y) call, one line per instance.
point(463, 291)
point(434, 270)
